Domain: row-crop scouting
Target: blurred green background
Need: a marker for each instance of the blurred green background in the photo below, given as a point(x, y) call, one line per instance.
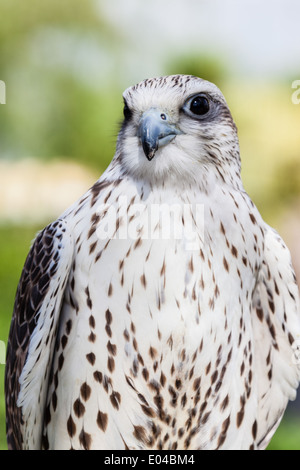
point(65, 66)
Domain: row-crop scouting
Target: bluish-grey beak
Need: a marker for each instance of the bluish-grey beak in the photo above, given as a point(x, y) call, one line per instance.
point(155, 130)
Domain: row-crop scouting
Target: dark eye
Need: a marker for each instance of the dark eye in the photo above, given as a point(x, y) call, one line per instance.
point(127, 111)
point(199, 105)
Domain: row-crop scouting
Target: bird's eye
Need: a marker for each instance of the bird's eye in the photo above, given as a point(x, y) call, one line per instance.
point(199, 105)
point(127, 111)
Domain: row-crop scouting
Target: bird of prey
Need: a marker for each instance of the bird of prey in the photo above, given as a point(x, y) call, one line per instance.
point(159, 311)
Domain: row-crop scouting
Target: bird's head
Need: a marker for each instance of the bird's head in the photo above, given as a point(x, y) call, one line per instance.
point(177, 127)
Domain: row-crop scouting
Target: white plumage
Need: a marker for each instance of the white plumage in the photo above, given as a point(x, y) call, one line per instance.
point(159, 311)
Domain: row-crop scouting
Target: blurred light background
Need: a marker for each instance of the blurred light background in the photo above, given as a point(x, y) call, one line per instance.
point(65, 65)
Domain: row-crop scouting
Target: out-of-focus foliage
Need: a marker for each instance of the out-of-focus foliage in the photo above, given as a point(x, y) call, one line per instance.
point(208, 67)
point(59, 100)
point(287, 437)
point(268, 127)
point(287, 179)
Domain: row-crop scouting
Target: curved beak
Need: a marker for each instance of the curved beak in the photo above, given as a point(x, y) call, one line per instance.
point(155, 130)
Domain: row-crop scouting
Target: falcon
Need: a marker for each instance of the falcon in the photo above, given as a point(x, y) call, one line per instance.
point(159, 311)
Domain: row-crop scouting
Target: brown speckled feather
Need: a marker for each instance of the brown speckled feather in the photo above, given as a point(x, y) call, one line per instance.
point(40, 267)
point(160, 311)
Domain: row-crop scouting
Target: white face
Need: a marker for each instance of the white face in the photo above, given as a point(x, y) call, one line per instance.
point(176, 128)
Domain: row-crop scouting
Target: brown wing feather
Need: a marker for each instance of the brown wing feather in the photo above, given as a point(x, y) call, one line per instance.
point(40, 266)
point(276, 325)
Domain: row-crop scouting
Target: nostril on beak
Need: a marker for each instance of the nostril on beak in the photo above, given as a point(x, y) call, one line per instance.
point(155, 130)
